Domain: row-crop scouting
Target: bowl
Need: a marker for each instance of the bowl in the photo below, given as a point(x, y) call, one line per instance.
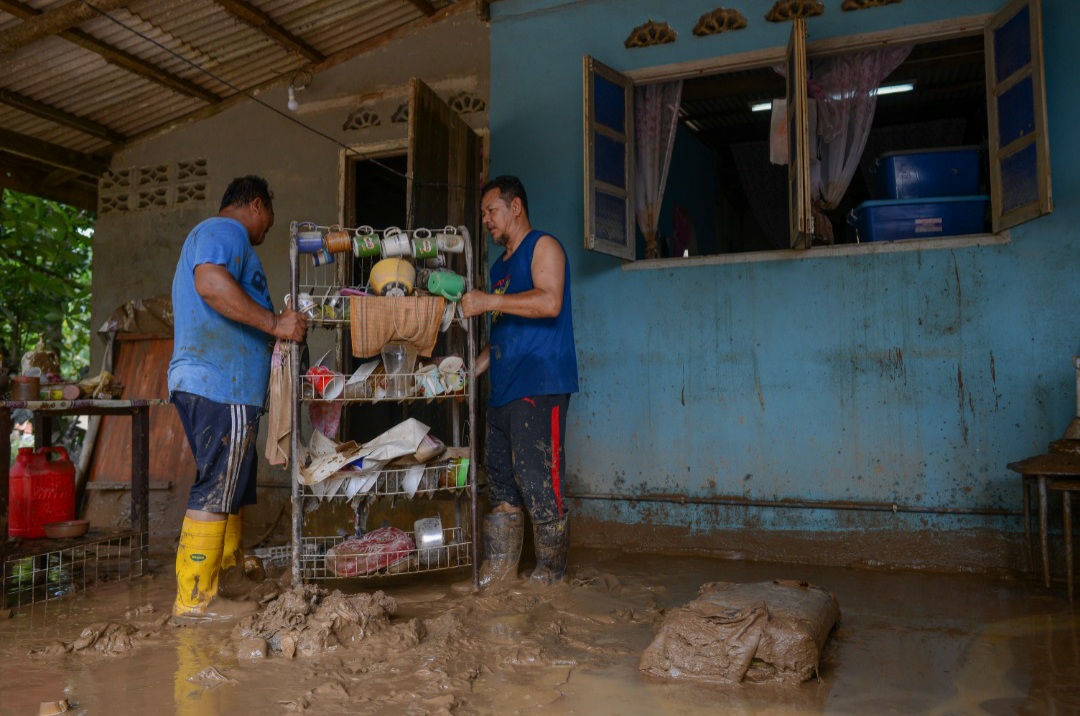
point(67, 529)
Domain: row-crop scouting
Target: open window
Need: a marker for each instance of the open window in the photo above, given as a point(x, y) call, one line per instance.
point(1016, 99)
point(938, 87)
point(798, 139)
point(609, 165)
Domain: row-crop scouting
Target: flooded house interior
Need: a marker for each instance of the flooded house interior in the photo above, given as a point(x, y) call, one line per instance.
point(818, 473)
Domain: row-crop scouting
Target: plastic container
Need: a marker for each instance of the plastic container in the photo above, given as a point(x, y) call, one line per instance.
point(919, 218)
point(40, 491)
point(926, 173)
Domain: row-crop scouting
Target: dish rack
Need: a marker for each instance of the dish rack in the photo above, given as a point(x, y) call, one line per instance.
point(449, 479)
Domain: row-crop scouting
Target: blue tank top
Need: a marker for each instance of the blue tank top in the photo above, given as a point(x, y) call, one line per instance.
point(530, 356)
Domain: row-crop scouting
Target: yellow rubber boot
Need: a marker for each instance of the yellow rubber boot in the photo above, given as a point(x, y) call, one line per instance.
point(231, 582)
point(198, 565)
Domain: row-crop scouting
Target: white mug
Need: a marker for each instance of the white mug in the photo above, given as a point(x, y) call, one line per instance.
point(395, 242)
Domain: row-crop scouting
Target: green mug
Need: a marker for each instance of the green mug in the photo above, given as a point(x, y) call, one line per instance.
point(447, 284)
point(424, 248)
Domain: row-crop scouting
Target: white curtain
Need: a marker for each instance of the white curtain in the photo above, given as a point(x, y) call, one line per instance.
point(656, 115)
point(845, 87)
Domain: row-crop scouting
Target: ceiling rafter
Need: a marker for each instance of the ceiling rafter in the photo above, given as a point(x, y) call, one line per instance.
point(117, 57)
point(47, 111)
point(424, 6)
point(262, 22)
point(52, 154)
point(53, 22)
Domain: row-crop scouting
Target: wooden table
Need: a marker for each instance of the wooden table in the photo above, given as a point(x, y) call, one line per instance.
point(139, 412)
point(1042, 472)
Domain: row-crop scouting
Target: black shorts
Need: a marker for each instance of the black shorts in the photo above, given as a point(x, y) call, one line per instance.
point(222, 438)
point(526, 455)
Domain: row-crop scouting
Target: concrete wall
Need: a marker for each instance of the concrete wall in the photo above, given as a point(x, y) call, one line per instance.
point(908, 378)
point(135, 251)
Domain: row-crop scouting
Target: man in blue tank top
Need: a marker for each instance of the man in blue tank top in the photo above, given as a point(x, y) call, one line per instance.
point(533, 369)
point(224, 330)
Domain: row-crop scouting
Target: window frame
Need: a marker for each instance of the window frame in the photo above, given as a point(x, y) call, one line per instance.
point(627, 249)
point(982, 24)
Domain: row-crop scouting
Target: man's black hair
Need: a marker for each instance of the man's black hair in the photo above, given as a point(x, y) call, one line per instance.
point(244, 190)
point(509, 187)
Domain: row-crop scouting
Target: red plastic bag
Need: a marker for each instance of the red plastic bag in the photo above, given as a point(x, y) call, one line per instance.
point(378, 549)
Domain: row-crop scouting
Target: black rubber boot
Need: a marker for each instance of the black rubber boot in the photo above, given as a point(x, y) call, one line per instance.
point(552, 541)
point(503, 534)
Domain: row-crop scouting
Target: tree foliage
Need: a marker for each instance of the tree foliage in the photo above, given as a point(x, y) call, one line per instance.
point(45, 269)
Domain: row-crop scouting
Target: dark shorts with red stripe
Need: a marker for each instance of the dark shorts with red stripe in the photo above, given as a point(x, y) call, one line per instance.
point(526, 455)
point(222, 439)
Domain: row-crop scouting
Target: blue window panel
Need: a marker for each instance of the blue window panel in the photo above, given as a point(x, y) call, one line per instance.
point(610, 100)
point(1016, 112)
point(1012, 45)
point(610, 160)
point(611, 218)
point(1019, 179)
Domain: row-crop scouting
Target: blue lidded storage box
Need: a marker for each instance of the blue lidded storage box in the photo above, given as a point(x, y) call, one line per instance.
point(926, 173)
point(919, 218)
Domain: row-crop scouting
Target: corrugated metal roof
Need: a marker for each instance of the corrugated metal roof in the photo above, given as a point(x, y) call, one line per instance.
point(199, 44)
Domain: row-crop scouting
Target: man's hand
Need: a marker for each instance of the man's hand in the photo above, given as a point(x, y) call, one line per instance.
point(474, 303)
point(222, 293)
point(290, 325)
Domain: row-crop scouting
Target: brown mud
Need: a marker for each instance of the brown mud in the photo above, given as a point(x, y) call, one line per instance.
point(907, 643)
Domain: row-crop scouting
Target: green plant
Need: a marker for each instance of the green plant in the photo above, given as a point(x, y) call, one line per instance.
point(45, 270)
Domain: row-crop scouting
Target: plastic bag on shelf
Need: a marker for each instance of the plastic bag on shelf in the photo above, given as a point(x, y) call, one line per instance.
point(379, 549)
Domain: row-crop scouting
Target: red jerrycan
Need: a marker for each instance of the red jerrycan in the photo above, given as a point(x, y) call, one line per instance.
point(40, 490)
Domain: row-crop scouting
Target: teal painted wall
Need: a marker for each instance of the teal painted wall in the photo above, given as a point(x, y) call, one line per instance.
point(906, 377)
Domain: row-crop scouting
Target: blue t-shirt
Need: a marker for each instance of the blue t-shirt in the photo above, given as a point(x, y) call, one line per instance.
point(213, 356)
point(530, 356)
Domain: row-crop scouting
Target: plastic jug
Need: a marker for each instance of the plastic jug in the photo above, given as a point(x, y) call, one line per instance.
point(40, 490)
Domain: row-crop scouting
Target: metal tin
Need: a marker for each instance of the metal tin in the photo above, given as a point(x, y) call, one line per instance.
point(309, 242)
point(25, 387)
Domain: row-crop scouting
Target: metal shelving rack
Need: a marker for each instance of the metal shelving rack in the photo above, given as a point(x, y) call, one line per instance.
point(461, 541)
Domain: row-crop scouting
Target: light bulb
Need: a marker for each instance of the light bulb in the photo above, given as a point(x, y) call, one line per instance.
point(293, 104)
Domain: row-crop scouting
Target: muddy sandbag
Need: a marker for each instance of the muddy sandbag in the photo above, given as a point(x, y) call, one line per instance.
point(768, 631)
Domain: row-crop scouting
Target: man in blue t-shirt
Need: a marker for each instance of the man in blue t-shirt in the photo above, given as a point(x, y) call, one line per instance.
point(224, 330)
point(533, 367)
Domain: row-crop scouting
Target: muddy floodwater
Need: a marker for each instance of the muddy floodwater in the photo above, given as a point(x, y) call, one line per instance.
point(906, 643)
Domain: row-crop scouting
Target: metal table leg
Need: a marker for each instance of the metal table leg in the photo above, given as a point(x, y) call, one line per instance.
point(1066, 508)
point(1030, 549)
point(140, 482)
point(1043, 539)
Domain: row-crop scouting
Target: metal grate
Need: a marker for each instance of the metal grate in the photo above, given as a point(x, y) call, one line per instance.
point(455, 552)
point(57, 570)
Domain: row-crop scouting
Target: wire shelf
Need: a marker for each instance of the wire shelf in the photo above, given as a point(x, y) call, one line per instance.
point(426, 385)
point(455, 552)
point(447, 477)
point(331, 268)
point(50, 569)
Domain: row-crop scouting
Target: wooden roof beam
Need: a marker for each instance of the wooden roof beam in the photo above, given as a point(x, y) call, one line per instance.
point(33, 178)
point(52, 22)
point(425, 7)
point(116, 57)
point(52, 154)
point(47, 111)
point(248, 13)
